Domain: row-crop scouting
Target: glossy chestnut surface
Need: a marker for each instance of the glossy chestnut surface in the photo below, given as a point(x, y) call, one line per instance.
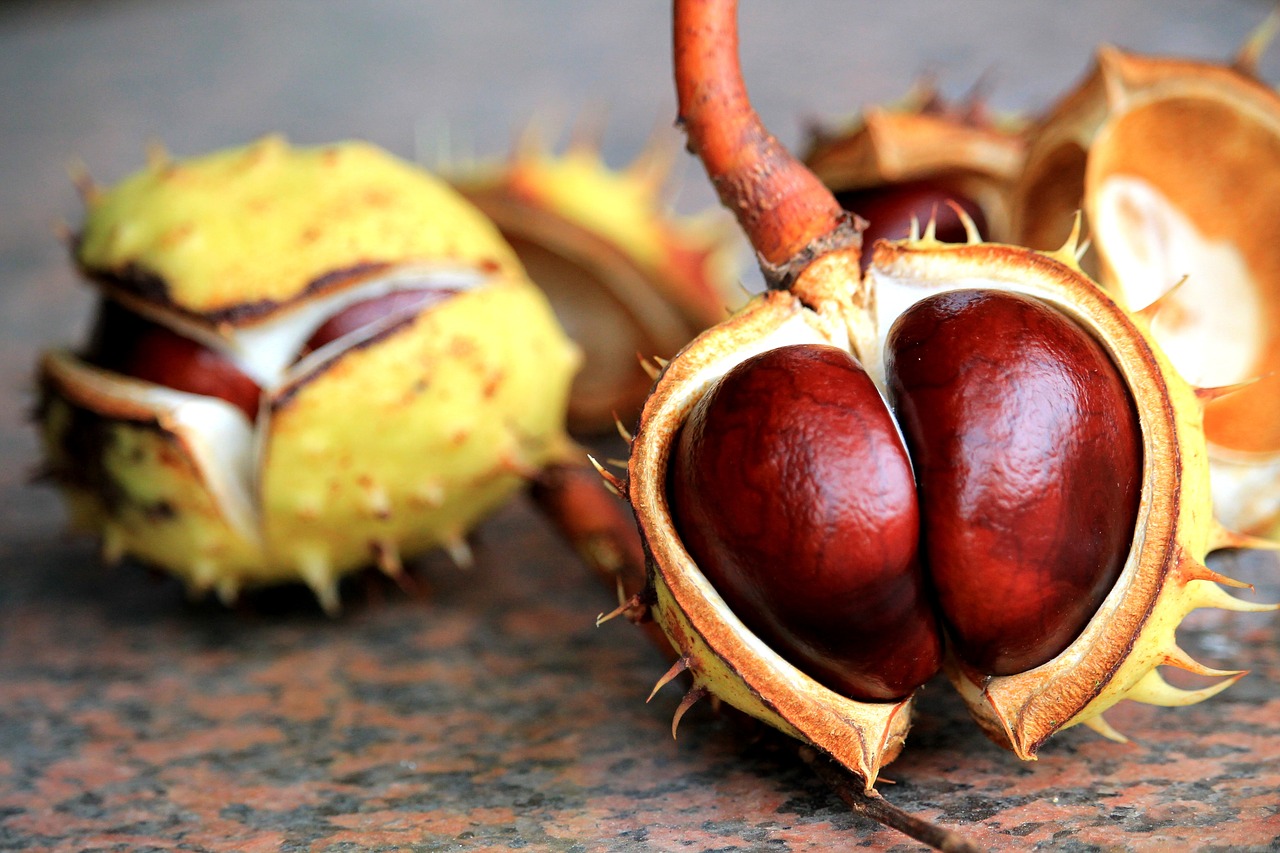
point(129, 344)
point(793, 493)
point(1029, 460)
point(890, 209)
point(366, 311)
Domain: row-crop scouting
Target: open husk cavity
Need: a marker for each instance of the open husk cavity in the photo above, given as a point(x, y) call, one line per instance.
point(962, 146)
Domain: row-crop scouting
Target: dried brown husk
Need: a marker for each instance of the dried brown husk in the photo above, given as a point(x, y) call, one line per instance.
point(962, 147)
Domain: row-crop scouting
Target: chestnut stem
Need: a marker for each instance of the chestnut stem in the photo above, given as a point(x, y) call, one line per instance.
point(789, 216)
point(850, 789)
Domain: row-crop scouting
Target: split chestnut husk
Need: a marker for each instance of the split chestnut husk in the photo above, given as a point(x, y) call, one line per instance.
point(624, 275)
point(1113, 537)
point(307, 361)
point(1173, 163)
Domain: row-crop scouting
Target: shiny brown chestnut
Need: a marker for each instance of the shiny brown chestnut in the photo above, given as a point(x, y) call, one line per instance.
point(892, 211)
point(372, 310)
point(1028, 453)
point(127, 343)
point(792, 491)
point(791, 488)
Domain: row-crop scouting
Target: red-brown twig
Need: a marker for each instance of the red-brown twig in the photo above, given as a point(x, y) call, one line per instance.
point(851, 790)
point(786, 212)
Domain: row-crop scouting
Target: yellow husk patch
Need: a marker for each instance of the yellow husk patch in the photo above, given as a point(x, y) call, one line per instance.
point(264, 221)
point(415, 438)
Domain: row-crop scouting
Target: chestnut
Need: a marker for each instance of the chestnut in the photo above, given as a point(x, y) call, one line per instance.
point(127, 343)
point(793, 492)
point(367, 311)
point(791, 489)
point(1028, 453)
point(891, 210)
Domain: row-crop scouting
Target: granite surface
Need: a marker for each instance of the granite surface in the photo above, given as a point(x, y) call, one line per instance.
point(482, 709)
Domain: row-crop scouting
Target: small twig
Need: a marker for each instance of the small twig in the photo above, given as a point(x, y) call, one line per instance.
point(850, 789)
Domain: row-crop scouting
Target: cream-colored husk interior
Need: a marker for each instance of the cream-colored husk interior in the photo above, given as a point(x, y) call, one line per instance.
point(265, 350)
point(1212, 327)
point(217, 436)
point(1211, 323)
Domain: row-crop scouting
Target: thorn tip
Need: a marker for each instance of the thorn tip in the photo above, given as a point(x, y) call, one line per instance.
point(681, 664)
point(690, 699)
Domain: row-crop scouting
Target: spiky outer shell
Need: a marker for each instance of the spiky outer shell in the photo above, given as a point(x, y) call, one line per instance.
point(625, 275)
point(238, 233)
point(1173, 163)
point(393, 445)
point(1132, 633)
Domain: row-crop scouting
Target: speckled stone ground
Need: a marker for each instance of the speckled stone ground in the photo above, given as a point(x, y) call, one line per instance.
point(487, 712)
point(490, 713)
